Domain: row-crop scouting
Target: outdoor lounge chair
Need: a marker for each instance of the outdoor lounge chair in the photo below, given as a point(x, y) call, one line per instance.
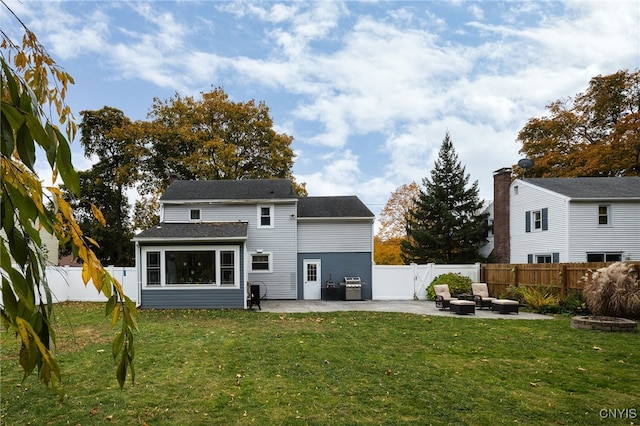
point(443, 296)
point(481, 295)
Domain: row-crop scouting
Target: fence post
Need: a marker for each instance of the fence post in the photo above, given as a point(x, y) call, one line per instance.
point(515, 275)
point(563, 278)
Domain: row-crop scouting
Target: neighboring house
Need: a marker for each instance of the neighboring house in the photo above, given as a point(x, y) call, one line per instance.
point(585, 219)
point(215, 236)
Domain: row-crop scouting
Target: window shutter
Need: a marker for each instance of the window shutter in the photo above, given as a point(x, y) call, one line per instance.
point(529, 258)
point(555, 257)
point(545, 219)
point(527, 222)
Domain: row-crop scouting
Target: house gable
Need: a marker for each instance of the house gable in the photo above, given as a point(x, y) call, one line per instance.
point(578, 219)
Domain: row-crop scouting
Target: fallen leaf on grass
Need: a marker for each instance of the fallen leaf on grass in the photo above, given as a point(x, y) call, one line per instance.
point(597, 348)
point(93, 411)
point(534, 384)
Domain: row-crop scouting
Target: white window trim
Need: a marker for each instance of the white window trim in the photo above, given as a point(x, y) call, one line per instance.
point(533, 220)
point(608, 224)
point(261, 271)
point(163, 278)
point(536, 257)
point(271, 215)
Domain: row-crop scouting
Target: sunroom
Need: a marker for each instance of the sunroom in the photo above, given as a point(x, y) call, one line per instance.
point(192, 265)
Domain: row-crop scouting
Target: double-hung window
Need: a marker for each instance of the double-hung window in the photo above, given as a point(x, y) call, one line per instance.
point(604, 212)
point(260, 262)
point(537, 220)
point(265, 216)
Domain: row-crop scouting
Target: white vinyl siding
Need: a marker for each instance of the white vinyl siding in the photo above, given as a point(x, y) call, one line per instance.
point(353, 236)
point(525, 246)
point(622, 235)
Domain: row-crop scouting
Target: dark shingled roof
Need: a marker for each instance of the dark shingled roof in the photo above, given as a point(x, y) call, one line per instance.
point(591, 187)
point(196, 231)
point(246, 189)
point(332, 207)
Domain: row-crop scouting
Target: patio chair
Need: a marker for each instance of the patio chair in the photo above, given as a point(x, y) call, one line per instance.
point(481, 295)
point(443, 296)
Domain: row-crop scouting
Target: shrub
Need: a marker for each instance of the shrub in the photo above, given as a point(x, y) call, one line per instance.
point(613, 291)
point(573, 303)
point(457, 284)
point(541, 299)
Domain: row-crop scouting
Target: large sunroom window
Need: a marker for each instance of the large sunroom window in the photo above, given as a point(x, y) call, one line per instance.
point(190, 267)
point(212, 266)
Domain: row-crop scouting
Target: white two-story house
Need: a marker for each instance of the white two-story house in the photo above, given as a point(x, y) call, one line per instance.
point(586, 219)
point(214, 237)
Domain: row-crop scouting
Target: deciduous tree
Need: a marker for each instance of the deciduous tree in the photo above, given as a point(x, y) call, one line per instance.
point(213, 138)
point(33, 85)
point(447, 224)
point(393, 224)
point(597, 133)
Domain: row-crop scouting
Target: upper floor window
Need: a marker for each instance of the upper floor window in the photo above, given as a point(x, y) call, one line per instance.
point(604, 215)
point(194, 214)
point(537, 220)
point(265, 216)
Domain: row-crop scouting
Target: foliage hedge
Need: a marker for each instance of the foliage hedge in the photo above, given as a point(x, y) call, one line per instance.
point(457, 284)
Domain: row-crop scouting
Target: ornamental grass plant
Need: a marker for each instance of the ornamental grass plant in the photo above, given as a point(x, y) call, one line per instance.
point(614, 291)
point(234, 367)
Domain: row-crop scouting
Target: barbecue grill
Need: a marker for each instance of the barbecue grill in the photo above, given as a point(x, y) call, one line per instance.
point(352, 288)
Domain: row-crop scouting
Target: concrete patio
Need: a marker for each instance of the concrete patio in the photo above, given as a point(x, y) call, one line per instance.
point(421, 307)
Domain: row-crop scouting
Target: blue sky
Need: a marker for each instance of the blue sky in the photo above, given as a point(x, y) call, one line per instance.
point(367, 89)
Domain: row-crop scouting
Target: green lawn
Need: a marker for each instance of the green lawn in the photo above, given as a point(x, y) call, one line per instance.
point(242, 367)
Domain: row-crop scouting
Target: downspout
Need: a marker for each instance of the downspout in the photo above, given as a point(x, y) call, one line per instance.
point(138, 274)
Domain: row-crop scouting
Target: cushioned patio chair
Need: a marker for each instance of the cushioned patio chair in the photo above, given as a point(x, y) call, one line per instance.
point(481, 295)
point(443, 296)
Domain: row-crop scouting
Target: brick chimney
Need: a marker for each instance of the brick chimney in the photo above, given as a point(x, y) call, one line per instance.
point(501, 231)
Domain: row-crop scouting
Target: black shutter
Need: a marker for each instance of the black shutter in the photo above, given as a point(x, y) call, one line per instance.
point(555, 257)
point(527, 221)
point(529, 258)
point(545, 219)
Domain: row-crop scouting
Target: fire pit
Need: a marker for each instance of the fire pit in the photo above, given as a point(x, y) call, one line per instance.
point(602, 323)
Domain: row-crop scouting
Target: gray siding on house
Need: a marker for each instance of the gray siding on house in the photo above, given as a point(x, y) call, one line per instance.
point(340, 265)
point(335, 236)
point(193, 298)
point(279, 242)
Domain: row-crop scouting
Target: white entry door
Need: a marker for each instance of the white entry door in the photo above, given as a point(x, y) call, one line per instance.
point(311, 279)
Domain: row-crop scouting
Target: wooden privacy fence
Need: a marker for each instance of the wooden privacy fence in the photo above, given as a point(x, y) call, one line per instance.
point(562, 277)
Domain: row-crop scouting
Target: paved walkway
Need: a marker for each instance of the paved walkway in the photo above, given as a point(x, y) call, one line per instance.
point(423, 307)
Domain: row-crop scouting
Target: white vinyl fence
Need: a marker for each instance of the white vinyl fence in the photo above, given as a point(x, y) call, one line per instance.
point(409, 282)
point(389, 282)
point(66, 283)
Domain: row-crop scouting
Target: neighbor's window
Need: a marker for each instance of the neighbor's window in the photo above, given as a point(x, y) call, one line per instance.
point(537, 219)
point(190, 267)
point(194, 214)
point(153, 268)
point(260, 262)
point(265, 216)
point(544, 258)
point(604, 257)
point(603, 215)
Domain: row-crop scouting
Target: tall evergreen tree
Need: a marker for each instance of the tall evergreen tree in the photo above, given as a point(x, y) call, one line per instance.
point(446, 224)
